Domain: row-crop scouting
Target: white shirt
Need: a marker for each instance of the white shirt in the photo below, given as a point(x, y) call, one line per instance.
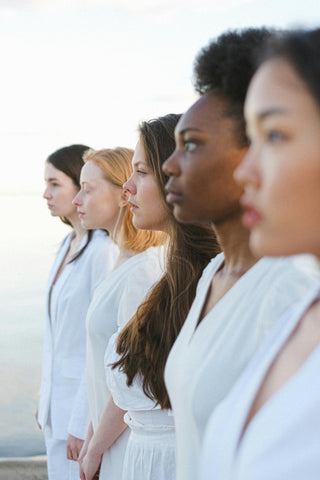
point(205, 361)
point(282, 440)
point(64, 353)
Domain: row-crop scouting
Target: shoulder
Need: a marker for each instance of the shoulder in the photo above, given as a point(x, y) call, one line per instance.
point(292, 270)
point(101, 242)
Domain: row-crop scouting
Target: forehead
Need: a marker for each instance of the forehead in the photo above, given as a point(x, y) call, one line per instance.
point(90, 171)
point(50, 171)
point(275, 85)
point(139, 154)
point(206, 114)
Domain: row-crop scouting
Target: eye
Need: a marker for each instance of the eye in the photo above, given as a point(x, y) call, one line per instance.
point(274, 136)
point(141, 172)
point(189, 145)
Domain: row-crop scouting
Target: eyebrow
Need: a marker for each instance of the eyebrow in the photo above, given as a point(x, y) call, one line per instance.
point(271, 111)
point(52, 179)
point(188, 129)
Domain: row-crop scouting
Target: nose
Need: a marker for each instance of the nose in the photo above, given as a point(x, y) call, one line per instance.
point(77, 201)
point(46, 194)
point(171, 166)
point(247, 173)
point(130, 186)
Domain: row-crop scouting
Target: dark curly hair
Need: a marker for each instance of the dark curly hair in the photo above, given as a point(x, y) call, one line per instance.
point(225, 67)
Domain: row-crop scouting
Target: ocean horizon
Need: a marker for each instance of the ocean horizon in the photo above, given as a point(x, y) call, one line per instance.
point(28, 248)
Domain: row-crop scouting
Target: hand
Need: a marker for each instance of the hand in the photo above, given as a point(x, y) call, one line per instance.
point(90, 465)
point(36, 415)
point(74, 446)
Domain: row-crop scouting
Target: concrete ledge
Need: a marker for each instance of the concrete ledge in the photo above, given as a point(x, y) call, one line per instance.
point(27, 468)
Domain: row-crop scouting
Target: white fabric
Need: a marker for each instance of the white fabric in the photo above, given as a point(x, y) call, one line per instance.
point(150, 453)
point(205, 361)
point(282, 440)
point(58, 466)
point(114, 303)
point(65, 335)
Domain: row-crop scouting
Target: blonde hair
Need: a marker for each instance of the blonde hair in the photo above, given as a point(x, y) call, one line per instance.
point(115, 164)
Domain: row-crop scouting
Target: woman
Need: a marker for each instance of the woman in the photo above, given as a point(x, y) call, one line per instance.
point(102, 203)
point(269, 425)
point(135, 359)
point(82, 262)
point(239, 297)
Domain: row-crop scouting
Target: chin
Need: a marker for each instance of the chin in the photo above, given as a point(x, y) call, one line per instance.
point(184, 215)
point(263, 245)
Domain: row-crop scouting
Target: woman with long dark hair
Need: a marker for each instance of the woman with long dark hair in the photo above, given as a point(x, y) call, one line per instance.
point(135, 359)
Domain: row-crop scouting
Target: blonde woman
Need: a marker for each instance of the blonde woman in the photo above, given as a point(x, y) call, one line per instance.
point(102, 204)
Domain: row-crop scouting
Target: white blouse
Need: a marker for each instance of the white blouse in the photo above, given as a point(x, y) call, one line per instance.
point(282, 440)
point(115, 301)
point(207, 359)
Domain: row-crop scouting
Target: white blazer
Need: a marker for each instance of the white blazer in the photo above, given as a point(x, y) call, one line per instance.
point(63, 403)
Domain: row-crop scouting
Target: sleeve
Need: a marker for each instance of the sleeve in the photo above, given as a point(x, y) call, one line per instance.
point(79, 420)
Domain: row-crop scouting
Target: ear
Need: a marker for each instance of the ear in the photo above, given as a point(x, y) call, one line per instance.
point(124, 198)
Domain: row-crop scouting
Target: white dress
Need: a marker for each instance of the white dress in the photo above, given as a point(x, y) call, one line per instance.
point(282, 441)
point(114, 302)
point(150, 453)
point(205, 361)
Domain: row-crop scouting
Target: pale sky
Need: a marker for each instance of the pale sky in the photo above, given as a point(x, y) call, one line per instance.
point(87, 71)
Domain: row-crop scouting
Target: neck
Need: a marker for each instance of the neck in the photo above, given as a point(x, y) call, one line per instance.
point(79, 231)
point(233, 238)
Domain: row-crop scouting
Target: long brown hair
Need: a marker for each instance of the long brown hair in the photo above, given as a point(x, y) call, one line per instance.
point(145, 342)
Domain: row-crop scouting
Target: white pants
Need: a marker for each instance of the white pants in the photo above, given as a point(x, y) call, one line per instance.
point(59, 467)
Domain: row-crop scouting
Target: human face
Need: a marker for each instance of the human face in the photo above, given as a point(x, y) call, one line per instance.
point(59, 192)
point(201, 187)
point(98, 202)
point(148, 207)
point(281, 173)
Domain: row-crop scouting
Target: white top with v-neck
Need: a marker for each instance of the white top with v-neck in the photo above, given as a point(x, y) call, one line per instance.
point(282, 440)
point(207, 359)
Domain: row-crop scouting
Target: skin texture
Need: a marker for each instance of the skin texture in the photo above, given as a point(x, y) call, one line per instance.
point(202, 188)
point(98, 202)
point(281, 173)
point(59, 192)
point(147, 205)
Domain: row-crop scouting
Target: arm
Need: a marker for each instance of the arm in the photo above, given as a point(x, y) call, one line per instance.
point(110, 427)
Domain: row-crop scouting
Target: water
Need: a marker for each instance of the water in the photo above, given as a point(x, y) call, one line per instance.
point(29, 240)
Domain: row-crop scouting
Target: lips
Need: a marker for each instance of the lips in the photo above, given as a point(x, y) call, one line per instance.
point(80, 213)
point(132, 205)
point(173, 196)
point(251, 217)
